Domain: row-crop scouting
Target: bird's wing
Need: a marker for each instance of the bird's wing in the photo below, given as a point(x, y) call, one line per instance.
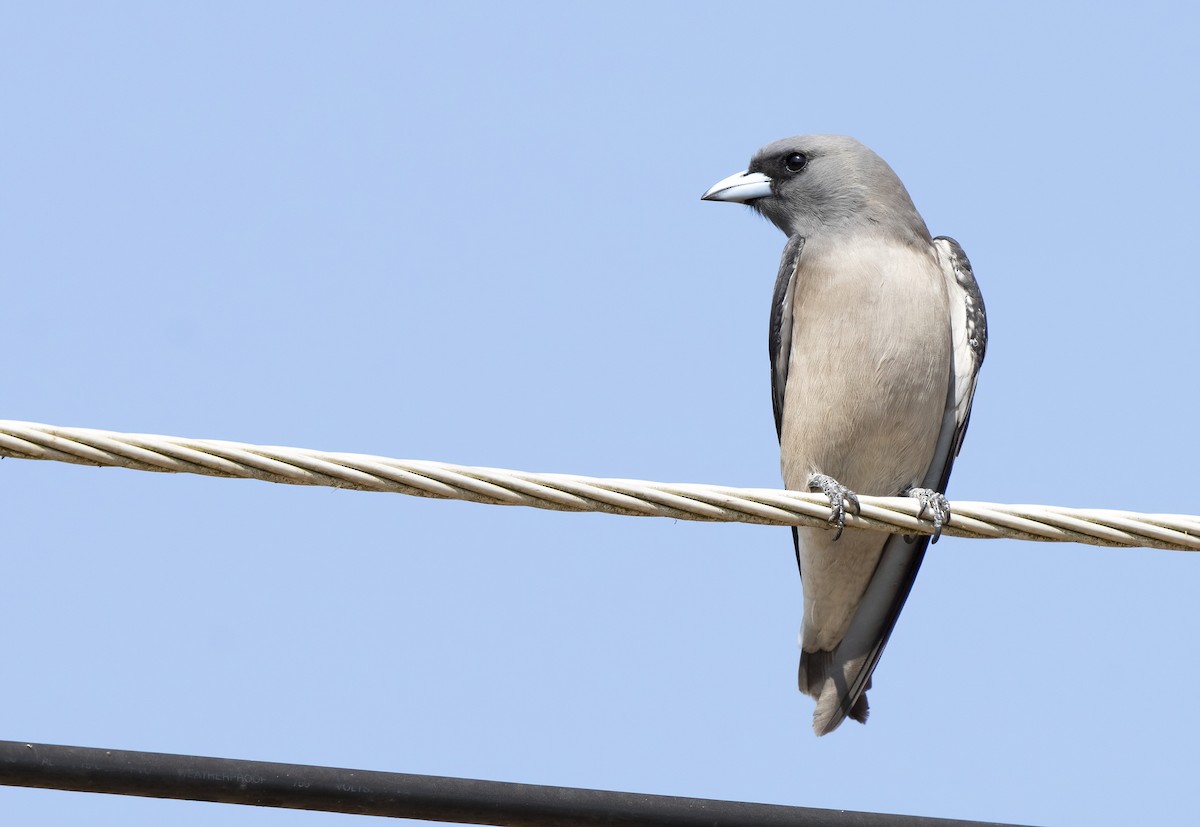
point(969, 327)
point(780, 339)
point(856, 656)
point(780, 342)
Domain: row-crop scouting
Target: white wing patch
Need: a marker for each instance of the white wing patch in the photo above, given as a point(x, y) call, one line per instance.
point(968, 327)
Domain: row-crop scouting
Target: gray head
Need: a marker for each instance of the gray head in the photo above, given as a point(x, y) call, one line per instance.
point(814, 184)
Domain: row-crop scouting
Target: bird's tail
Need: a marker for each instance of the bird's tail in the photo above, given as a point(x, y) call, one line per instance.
point(828, 681)
point(839, 679)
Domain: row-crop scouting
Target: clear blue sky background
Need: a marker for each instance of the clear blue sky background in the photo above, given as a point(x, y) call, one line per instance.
point(473, 233)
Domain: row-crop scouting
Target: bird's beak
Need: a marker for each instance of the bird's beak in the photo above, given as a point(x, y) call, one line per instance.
point(742, 187)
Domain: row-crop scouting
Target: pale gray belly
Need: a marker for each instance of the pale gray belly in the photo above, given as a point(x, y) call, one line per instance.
point(866, 390)
point(867, 382)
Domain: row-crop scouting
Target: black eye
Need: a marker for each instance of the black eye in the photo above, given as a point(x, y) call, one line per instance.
point(795, 162)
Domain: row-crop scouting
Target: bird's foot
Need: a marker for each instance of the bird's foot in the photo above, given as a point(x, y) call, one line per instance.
point(936, 504)
point(838, 495)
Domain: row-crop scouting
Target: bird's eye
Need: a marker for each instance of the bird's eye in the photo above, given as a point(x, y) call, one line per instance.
point(795, 162)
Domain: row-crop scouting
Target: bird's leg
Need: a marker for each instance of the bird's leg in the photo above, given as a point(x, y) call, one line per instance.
point(936, 504)
point(838, 495)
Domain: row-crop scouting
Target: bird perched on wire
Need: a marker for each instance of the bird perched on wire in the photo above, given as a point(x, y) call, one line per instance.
point(877, 334)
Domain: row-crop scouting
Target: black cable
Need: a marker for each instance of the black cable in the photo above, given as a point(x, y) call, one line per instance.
point(397, 795)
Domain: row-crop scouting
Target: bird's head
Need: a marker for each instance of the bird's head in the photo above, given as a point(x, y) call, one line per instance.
point(810, 184)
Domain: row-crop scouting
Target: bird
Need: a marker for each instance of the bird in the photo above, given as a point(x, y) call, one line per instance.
point(877, 334)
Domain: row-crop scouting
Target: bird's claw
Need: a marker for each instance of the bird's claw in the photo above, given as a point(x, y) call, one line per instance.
point(936, 504)
point(838, 495)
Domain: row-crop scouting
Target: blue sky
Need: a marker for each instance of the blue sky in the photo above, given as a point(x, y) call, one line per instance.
point(473, 233)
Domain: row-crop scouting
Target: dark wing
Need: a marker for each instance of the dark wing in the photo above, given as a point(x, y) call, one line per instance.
point(780, 340)
point(969, 328)
point(901, 559)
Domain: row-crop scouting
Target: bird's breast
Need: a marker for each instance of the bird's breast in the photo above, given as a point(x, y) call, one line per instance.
point(869, 367)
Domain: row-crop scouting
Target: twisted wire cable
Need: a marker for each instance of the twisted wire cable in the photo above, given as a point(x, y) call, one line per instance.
point(567, 492)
